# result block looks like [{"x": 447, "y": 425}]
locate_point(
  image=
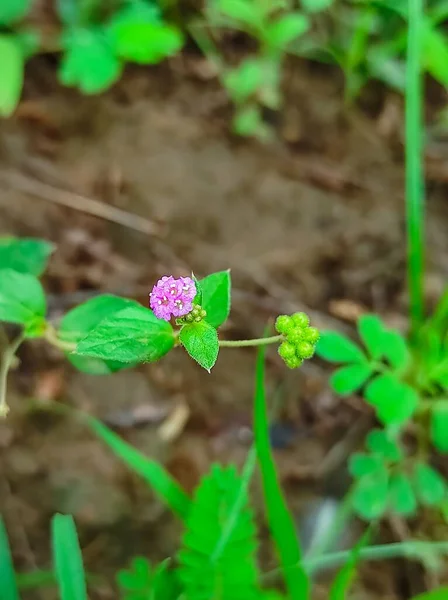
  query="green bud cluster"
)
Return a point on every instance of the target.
[
  {"x": 195, "y": 316},
  {"x": 300, "y": 339}
]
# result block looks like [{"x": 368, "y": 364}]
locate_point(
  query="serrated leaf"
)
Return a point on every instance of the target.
[
  {"x": 216, "y": 297},
  {"x": 89, "y": 62},
  {"x": 335, "y": 347},
  {"x": 371, "y": 331},
  {"x": 233, "y": 576},
  {"x": 25, "y": 255},
  {"x": 239, "y": 10},
  {"x": 22, "y": 301},
  {"x": 200, "y": 340},
  {"x": 243, "y": 81},
  {"x": 67, "y": 559},
  {"x": 364, "y": 464},
  {"x": 132, "y": 335},
  {"x": 12, "y": 11},
  {"x": 429, "y": 485},
  {"x": 286, "y": 29},
  {"x": 395, "y": 349},
  {"x": 401, "y": 495},
  {"x": 314, "y": 6},
  {"x": 80, "y": 321},
  {"x": 142, "y": 582},
  {"x": 395, "y": 402},
  {"x": 439, "y": 425},
  {"x": 380, "y": 443},
  {"x": 143, "y": 42},
  {"x": 370, "y": 495},
  {"x": 7, "y": 573},
  {"x": 11, "y": 74},
  {"x": 350, "y": 378}
]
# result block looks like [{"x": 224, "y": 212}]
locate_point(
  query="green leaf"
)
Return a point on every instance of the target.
[
  {"x": 361, "y": 465},
  {"x": 248, "y": 121},
  {"x": 11, "y": 74},
  {"x": 280, "y": 520},
  {"x": 67, "y": 559},
  {"x": 379, "y": 442},
  {"x": 395, "y": 402},
  {"x": 243, "y": 81},
  {"x": 200, "y": 340},
  {"x": 347, "y": 380},
  {"x": 435, "y": 54},
  {"x": 26, "y": 255},
  {"x": 440, "y": 594},
  {"x": 344, "y": 579},
  {"x": 150, "y": 470},
  {"x": 12, "y": 11},
  {"x": 233, "y": 575},
  {"x": 371, "y": 331},
  {"x": 429, "y": 485},
  {"x": 36, "y": 579},
  {"x": 395, "y": 349},
  {"x": 80, "y": 321},
  {"x": 439, "y": 425},
  {"x": 145, "y": 43},
  {"x": 401, "y": 495},
  {"x": 7, "y": 573},
  {"x": 142, "y": 582},
  {"x": 22, "y": 301},
  {"x": 68, "y": 12},
  {"x": 216, "y": 297},
  {"x": 314, "y": 6},
  {"x": 89, "y": 62},
  {"x": 240, "y": 10},
  {"x": 370, "y": 494},
  {"x": 334, "y": 347},
  {"x": 132, "y": 335},
  {"x": 286, "y": 29}
]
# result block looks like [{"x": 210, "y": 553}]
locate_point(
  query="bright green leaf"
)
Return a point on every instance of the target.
[
  {"x": 370, "y": 494},
  {"x": 11, "y": 74},
  {"x": 216, "y": 297},
  {"x": 12, "y": 11},
  {"x": 435, "y": 54},
  {"x": 80, "y": 321},
  {"x": 395, "y": 349},
  {"x": 89, "y": 63},
  {"x": 248, "y": 121},
  {"x": 334, "y": 347},
  {"x": 200, "y": 340},
  {"x": 350, "y": 378},
  {"x": 145, "y": 43},
  {"x": 286, "y": 29},
  {"x": 239, "y": 10},
  {"x": 364, "y": 464},
  {"x": 314, "y": 6},
  {"x": 25, "y": 255},
  {"x": 142, "y": 582},
  {"x": 395, "y": 402},
  {"x": 371, "y": 331},
  {"x": 379, "y": 442},
  {"x": 243, "y": 81},
  {"x": 429, "y": 485},
  {"x": 439, "y": 594},
  {"x": 22, "y": 301},
  {"x": 132, "y": 335},
  {"x": 401, "y": 495},
  {"x": 439, "y": 425},
  {"x": 7, "y": 573},
  {"x": 28, "y": 40},
  {"x": 343, "y": 581},
  {"x": 67, "y": 559}
]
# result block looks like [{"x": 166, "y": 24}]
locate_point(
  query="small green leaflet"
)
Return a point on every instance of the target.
[
  {"x": 215, "y": 290},
  {"x": 26, "y": 255},
  {"x": 22, "y": 301},
  {"x": 429, "y": 485},
  {"x": 7, "y": 573},
  {"x": 371, "y": 494},
  {"x": 145, "y": 43},
  {"x": 239, "y": 10},
  {"x": 142, "y": 582},
  {"x": 243, "y": 81},
  {"x": 379, "y": 442},
  {"x": 440, "y": 594},
  {"x": 67, "y": 559},
  {"x": 402, "y": 498},
  {"x": 364, "y": 464},
  {"x": 314, "y": 6},
  {"x": 334, "y": 347},
  {"x": 11, "y": 80},
  {"x": 132, "y": 335},
  {"x": 248, "y": 120},
  {"x": 395, "y": 402},
  {"x": 350, "y": 378},
  {"x": 200, "y": 340},
  {"x": 89, "y": 62},
  {"x": 286, "y": 29},
  {"x": 439, "y": 425},
  {"x": 12, "y": 11},
  {"x": 382, "y": 342},
  {"x": 80, "y": 321}
]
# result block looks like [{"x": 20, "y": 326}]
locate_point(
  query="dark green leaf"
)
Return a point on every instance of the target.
[
  {"x": 401, "y": 495},
  {"x": 242, "y": 82},
  {"x": 12, "y": 11},
  {"x": 7, "y": 573},
  {"x": 80, "y": 321},
  {"x": 89, "y": 62},
  {"x": 286, "y": 29},
  {"x": 371, "y": 331},
  {"x": 365, "y": 464},
  {"x": 439, "y": 425},
  {"x": 334, "y": 347},
  {"x": 145, "y": 42},
  {"x": 22, "y": 301},
  {"x": 25, "y": 255},
  {"x": 11, "y": 80},
  {"x": 429, "y": 485},
  {"x": 347, "y": 380},
  {"x": 216, "y": 297},
  {"x": 132, "y": 335},
  {"x": 370, "y": 495},
  {"x": 379, "y": 442},
  {"x": 67, "y": 559},
  {"x": 200, "y": 340},
  {"x": 395, "y": 402}
]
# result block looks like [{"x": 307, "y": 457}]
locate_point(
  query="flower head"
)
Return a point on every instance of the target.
[{"x": 172, "y": 297}]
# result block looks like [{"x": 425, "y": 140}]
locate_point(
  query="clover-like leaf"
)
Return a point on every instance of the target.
[
  {"x": 429, "y": 485},
  {"x": 395, "y": 349},
  {"x": 22, "y": 301},
  {"x": 243, "y": 81},
  {"x": 314, "y": 6},
  {"x": 26, "y": 255},
  {"x": 335, "y": 347},
  {"x": 395, "y": 401},
  {"x": 350, "y": 378},
  {"x": 371, "y": 494},
  {"x": 286, "y": 29},
  {"x": 215, "y": 289},
  {"x": 11, "y": 80},
  {"x": 379, "y": 442},
  {"x": 361, "y": 465},
  {"x": 200, "y": 340},
  {"x": 439, "y": 425},
  {"x": 371, "y": 330},
  {"x": 401, "y": 495}
]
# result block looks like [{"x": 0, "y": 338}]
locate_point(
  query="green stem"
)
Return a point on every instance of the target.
[
  {"x": 275, "y": 339},
  {"x": 8, "y": 359},
  {"x": 52, "y": 338},
  {"x": 414, "y": 166}
]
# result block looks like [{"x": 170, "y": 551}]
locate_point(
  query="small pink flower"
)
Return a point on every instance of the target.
[{"x": 172, "y": 297}]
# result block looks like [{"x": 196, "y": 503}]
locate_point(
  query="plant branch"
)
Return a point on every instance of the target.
[
  {"x": 275, "y": 339},
  {"x": 8, "y": 359}
]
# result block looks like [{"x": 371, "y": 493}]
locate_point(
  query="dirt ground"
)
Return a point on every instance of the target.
[{"x": 313, "y": 221}]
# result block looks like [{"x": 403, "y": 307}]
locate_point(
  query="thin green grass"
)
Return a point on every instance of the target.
[
  {"x": 8, "y": 582},
  {"x": 67, "y": 558}
]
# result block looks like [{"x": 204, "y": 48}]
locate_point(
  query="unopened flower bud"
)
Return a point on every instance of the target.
[
  {"x": 283, "y": 324},
  {"x": 305, "y": 350},
  {"x": 287, "y": 350},
  {"x": 312, "y": 335},
  {"x": 300, "y": 319},
  {"x": 294, "y": 362}
]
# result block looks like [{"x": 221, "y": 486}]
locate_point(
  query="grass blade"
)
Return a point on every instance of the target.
[
  {"x": 440, "y": 594},
  {"x": 7, "y": 573},
  {"x": 67, "y": 559},
  {"x": 35, "y": 579},
  {"x": 151, "y": 471},
  {"x": 344, "y": 579},
  {"x": 279, "y": 518}
]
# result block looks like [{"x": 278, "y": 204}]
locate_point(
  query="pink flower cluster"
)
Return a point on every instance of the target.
[{"x": 172, "y": 297}]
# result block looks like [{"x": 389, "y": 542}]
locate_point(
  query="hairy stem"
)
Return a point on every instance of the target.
[
  {"x": 275, "y": 339},
  {"x": 8, "y": 359},
  {"x": 52, "y": 338}
]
